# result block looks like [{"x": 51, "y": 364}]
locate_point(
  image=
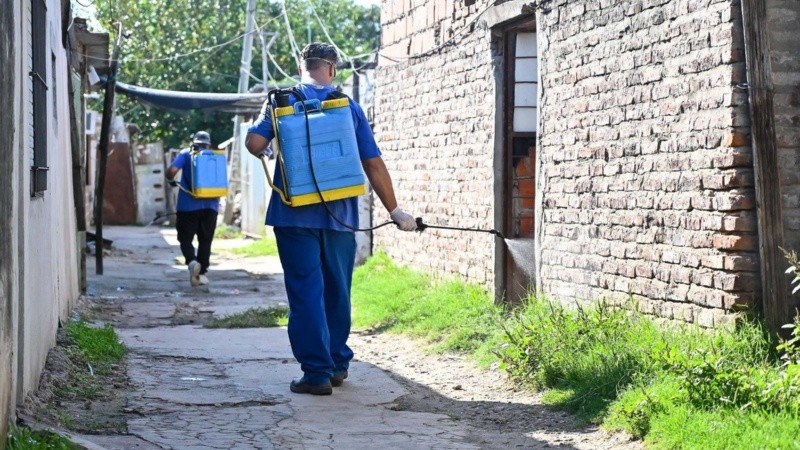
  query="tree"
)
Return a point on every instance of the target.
[{"x": 196, "y": 45}]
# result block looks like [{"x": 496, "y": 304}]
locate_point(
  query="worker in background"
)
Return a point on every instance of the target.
[
  {"x": 316, "y": 251},
  {"x": 194, "y": 216}
]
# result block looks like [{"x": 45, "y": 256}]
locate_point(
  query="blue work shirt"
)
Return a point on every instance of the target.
[
  {"x": 315, "y": 215},
  {"x": 187, "y": 202}
]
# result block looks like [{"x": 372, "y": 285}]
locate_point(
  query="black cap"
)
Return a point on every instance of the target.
[
  {"x": 321, "y": 51},
  {"x": 201, "y": 137}
]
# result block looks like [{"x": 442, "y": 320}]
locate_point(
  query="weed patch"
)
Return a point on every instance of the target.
[
  {"x": 586, "y": 354},
  {"x": 617, "y": 367},
  {"x": 252, "y": 318},
  {"x": 98, "y": 347},
  {"x": 85, "y": 377}
]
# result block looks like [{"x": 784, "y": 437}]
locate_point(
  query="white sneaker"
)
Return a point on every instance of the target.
[
  {"x": 203, "y": 280},
  {"x": 194, "y": 273}
]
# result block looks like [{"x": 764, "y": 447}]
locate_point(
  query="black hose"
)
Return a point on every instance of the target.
[
  {"x": 421, "y": 226},
  {"x": 301, "y": 97}
]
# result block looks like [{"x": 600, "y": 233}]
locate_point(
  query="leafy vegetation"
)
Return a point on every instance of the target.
[
  {"x": 23, "y": 438},
  {"x": 196, "y": 46},
  {"x": 617, "y": 367},
  {"x": 253, "y": 318}
]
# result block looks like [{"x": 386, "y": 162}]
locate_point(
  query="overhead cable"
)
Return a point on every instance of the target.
[{"x": 292, "y": 42}]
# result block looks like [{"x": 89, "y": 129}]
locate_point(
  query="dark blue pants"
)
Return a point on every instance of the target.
[{"x": 318, "y": 272}]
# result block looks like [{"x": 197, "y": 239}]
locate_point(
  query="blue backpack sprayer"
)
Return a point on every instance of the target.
[
  {"x": 209, "y": 177},
  {"x": 209, "y": 174},
  {"x": 324, "y": 166}
]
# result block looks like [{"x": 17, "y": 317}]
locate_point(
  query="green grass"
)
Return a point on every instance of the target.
[
  {"x": 262, "y": 247},
  {"x": 23, "y": 438},
  {"x": 98, "y": 346},
  {"x": 227, "y": 232},
  {"x": 583, "y": 356},
  {"x": 689, "y": 428},
  {"x": 675, "y": 386},
  {"x": 448, "y": 314},
  {"x": 253, "y": 318},
  {"x": 94, "y": 352}
]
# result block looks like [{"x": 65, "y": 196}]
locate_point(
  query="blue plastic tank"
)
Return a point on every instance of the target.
[
  {"x": 334, "y": 151},
  {"x": 209, "y": 174}
]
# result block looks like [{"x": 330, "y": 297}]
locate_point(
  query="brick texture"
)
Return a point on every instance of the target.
[
  {"x": 434, "y": 122},
  {"x": 644, "y": 164}
]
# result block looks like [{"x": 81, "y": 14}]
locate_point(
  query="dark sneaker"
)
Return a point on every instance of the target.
[
  {"x": 338, "y": 378},
  {"x": 302, "y": 386}
]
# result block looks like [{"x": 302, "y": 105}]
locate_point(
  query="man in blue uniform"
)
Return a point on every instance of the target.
[
  {"x": 194, "y": 216},
  {"x": 316, "y": 251}
]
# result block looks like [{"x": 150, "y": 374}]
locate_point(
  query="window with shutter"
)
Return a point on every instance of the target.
[{"x": 39, "y": 77}]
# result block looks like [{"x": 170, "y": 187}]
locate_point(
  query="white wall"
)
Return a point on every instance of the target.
[
  {"x": 48, "y": 274},
  {"x": 255, "y": 190}
]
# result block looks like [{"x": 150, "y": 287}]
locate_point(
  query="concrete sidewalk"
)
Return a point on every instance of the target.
[{"x": 218, "y": 388}]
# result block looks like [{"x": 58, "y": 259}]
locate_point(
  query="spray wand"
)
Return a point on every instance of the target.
[{"x": 421, "y": 227}]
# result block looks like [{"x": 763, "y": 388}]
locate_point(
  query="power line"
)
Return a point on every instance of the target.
[
  {"x": 272, "y": 58},
  {"x": 281, "y": 71},
  {"x": 292, "y": 42},
  {"x": 180, "y": 55}
]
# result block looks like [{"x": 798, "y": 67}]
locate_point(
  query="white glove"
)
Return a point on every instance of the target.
[
  {"x": 404, "y": 220},
  {"x": 267, "y": 153}
]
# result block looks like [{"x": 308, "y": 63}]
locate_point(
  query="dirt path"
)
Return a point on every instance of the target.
[{"x": 500, "y": 415}]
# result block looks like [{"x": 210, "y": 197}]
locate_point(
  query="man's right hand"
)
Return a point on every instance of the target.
[
  {"x": 173, "y": 183},
  {"x": 404, "y": 220}
]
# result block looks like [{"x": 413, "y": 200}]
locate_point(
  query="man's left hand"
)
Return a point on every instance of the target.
[{"x": 404, "y": 220}]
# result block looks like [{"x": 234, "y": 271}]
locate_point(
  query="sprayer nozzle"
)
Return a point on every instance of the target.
[
  {"x": 498, "y": 234},
  {"x": 420, "y": 226}
]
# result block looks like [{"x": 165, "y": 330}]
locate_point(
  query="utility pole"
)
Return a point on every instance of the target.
[
  {"x": 102, "y": 147},
  {"x": 244, "y": 73},
  {"x": 309, "y": 11},
  {"x": 265, "y": 46}
]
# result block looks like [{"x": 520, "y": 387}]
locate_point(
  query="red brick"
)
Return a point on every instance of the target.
[
  {"x": 738, "y": 281},
  {"x": 737, "y": 301},
  {"x": 735, "y": 202},
  {"x": 714, "y": 261},
  {"x": 741, "y": 262},
  {"x": 739, "y": 223},
  {"x": 736, "y": 140},
  {"x": 735, "y": 243}
]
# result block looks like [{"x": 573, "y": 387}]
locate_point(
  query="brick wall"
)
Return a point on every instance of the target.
[
  {"x": 783, "y": 17},
  {"x": 645, "y": 167},
  {"x": 434, "y": 121}
]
